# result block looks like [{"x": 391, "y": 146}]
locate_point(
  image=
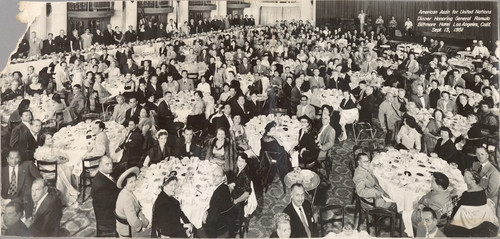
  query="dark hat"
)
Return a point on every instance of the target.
[{"x": 309, "y": 120}]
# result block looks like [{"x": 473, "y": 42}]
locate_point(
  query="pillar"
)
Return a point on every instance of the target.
[
  {"x": 58, "y": 18},
  {"x": 131, "y": 15},
  {"x": 221, "y": 9},
  {"x": 183, "y": 11},
  {"x": 117, "y": 18},
  {"x": 39, "y": 25}
]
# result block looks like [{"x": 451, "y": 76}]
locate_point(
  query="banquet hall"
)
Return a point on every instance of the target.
[{"x": 268, "y": 118}]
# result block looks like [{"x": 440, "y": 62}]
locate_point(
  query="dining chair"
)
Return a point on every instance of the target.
[
  {"x": 379, "y": 216},
  {"x": 365, "y": 131},
  {"x": 48, "y": 170},
  {"x": 90, "y": 167},
  {"x": 330, "y": 214},
  {"x": 492, "y": 148},
  {"x": 359, "y": 211},
  {"x": 229, "y": 224},
  {"x": 272, "y": 159}
]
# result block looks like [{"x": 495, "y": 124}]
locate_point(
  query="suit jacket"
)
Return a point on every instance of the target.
[
  {"x": 136, "y": 114},
  {"x": 47, "y": 217},
  {"x": 156, "y": 154},
  {"x": 104, "y": 193},
  {"x": 222, "y": 122},
  {"x": 317, "y": 82},
  {"x": 77, "y": 104},
  {"x": 309, "y": 111},
  {"x": 26, "y": 173},
  {"x": 454, "y": 82},
  {"x": 297, "y": 227},
  {"x": 220, "y": 201},
  {"x": 132, "y": 147},
  {"x": 367, "y": 108},
  {"x": 18, "y": 229},
  {"x": 253, "y": 109},
  {"x": 339, "y": 83},
  {"x": 35, "y": 47},
  {"x": 180, "y": 150},
  {"x": 260, "y": 69},
  {"x": 422, "y": 234},
  {"x": 165, "y": 116},
  {"x": 295, "y": 95},
  {"x": 244, "y": 70},
  {"x": 434, "y": 97},
  {"x": 418, "y": 102},
  {"x": 188, "y": 86},
  {"x": 327, "y": 140},
  {"x": 157, "y": 93},
  {"x": 388, "y": 115},
  {"x": 49, "y": 47},
  {"x": 237, "y": 110},
  {"x": 490, "y": 179},
  {"x": 134, "y": 69},
  {"x": 166, "y": 217},
  {"x": 21, "y": 139}
]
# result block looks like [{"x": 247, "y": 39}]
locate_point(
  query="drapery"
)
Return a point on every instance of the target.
[{"x": 269, "y": 15}]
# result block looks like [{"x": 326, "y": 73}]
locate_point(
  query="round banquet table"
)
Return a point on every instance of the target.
[
  {"x": 458, "y": 124},
  {"x": 465, "y": 53},
  {"x": 287, "y": 130},
  {"x": 309, "y": 179},
  {"x": 332, "y": 97},
  {"x": 182, "y": 103},
  {"x": 406, "y": 176},
  {"x": 194, "y": 191},
  {"x": 41, "y": 106}
]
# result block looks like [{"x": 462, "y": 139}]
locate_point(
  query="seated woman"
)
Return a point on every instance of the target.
[
  {"x": 281, "y": 226},
  {"x": 240, "y": 188},
  {"x": 475, "y": 214},
  {"x": 348, "y": 112},
  {"x": 366, "y": 184},
  {"x": 167, "y": 213},
  {"x": 409, "y": 136},
  {"x": 463, "y": 107},
  {"x": 129, "y": 86},
  {"x": 146, "y": 122},
  {"x": 439, "y": 198},
  {"x": 159, "y": 151},
  {"x": 102, "y": 93},
  {"x": 196, "y": 118},
  {"x": 445, "y": 148},
  {"x": 432, "y": 131},
  {"x": 307, "y": 147},
  {"x": 35, "y": 87},
  {"x": 271, "y": 146},
  {"x": 221, "y": 150},
  {"x": 113, "y": 71},
  {"x": 238, "y": 135},
  {"x": 171, "y": 85},
  {"x": 48, "y": 153},
  {"x": 58, "y": 106},
  {"x": 474, "y": 136}
]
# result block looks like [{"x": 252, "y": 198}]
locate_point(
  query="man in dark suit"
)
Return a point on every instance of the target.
[
  {"x": 295, "y": 96},
  {"x": 244, "y": 67},
  {"x": 130, "y": 35},
  {"x": 165, "y": 115},
  {"x": 219, "y": 214},
  {"x": 12, "y": 215},
  {"x": 62, "y": 42},
  {"x": 132, "y": 145},
  {"x": 22, "y": 138},
  {"x": 49, "y": 45},
  {"x": 47, "y": 210},
  {"x": 254, "y": 107},
  {"x": 240, "y": 108},
  {"x": 367, "y": 106},
  {"x": 130, "y": 67},
  {"x": 18, "y": 177},
  {"x": 133, "y": 112},
  {"x": 146, "y": 66},
  {"x": 185, "y": 147},
  {"x": 335, "y": 82},
  {"x": 104, "y": 193},
  {"x": 152, "y": 88},
  {"x": 224, "y": 121},
  {"x": 300, "y": 212},
  {"x": 421, "y": 99},
  {"x": 108, "y": 36}
]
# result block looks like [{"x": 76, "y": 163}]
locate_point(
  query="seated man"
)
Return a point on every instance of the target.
[
  {"x": 47, "y": 211},
  {"x": 219, "y": 213},
  {"x": 438, "y": 199},
  {"x": 300, "y": 212},
  {"x": 487, "y": 120},
  {"x": 366, "y": 184},
  {"x": 12, "y": 220},
  {"x": 186, "y": 147},
  {"x": 305, "y": 108},
  {"x": 428, "y": 227},
  {"x": 490, "y": 177}
]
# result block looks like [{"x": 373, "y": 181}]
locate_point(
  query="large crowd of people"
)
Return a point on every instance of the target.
[{"x": 289, "y": 62}]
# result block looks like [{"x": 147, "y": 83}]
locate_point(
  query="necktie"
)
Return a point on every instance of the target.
[
  {"x": 303, "y": 219},
  {"x": 13, "y": 183},
  {"x": 34, "y": 209},
  {"x": 479, "y": 169},
  {"x": 132, "y": 112}
]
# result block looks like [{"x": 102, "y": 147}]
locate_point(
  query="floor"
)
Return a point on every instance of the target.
[{"x": 79, "y": 220}]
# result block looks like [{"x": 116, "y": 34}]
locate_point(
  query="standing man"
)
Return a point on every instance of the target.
[
  {"x": 49, "y": 45},
  {"x": 35, "y": 45},
  {"x": 300, "y": 212},
  {"x": 130, "y": 35},
  {"x": 361, "y": 17},
  {"x": 86, "y": 39},
  {"x": 108, "y": 36},
  {"x": 62, "y": 42},
  {"x": 104, "y": 193}
]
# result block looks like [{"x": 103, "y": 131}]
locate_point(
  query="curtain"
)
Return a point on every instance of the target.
[{"x": 269, "y": 15}]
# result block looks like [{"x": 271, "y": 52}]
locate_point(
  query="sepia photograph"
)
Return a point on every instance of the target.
[{"x": 250, "y": 118}]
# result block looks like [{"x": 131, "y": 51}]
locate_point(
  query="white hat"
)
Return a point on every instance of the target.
[{"x": 122, "y": 177}]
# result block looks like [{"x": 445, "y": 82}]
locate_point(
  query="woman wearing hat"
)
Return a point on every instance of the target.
[
  {"x": 167, "y": 213},
  {"x": 130, "y": 221}
]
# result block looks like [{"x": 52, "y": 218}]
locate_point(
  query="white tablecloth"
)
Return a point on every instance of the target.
[
  {"x": 287, "y": 131},
  {"x": 194, "y": 191}
]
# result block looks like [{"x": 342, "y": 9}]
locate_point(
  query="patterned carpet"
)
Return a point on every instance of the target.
[{"x": 79, "y": 220}]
